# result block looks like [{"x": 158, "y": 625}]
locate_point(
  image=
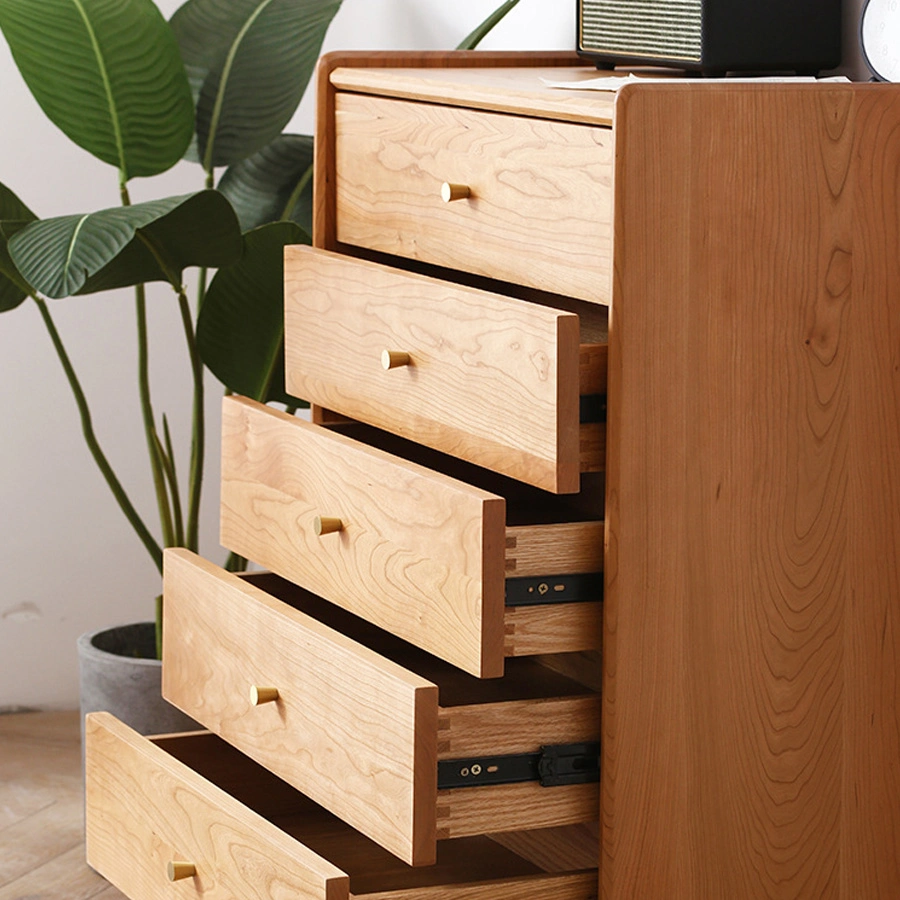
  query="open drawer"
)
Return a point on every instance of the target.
[
  {"x": 504, "y": 383},
  {"x": 457, "y": 569},
  {"x": 190, "y": 808},
  {"x": 404, "y": 747}
]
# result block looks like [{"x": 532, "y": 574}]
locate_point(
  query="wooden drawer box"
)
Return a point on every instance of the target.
[
  {"x": 375, "y": 730},
  {"x": 539, "y": 207},
  {"x": 247, "y": 836},
  {"x": 426, "y": 556},
  {"x": 503, "y": 383}
]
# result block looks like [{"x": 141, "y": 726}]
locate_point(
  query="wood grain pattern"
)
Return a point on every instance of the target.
[
  {"x": 555, "y": 849},
  {"x": 324, "y": 160},
  {"x": 143, "y": 807},
  {"x": 517, "y": 727},
  {"x": 491, "y": 379},
  {"x": 592, "y": 447},
  {"x": 517, "y": 91},
  {"x": 586, "y": 668},
  {"x": 751, "y": 725},
  {"x": 350, "y": 729},
  {"x": 540, "y": 887},
  {"x": 540, "y": 208},
  {"x": 556, "y": 628},
  {"x": 554, "y": 549},
  {"x": 468, "y": 864},
  {"x": 420, "y": 527},
  {"x": 593, "y": 362},
  {"x": 513, "y": 807},
  {"x": 186, "y": 776},
  {"x": 357, "y": 731},
  {"x": 413, "y": 539}
]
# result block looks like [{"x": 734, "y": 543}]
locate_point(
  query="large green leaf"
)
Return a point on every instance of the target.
[
  {"x": 108, "y": 73},
  {"x": 127, "y": 245},
  {"x": 273, "y": 184},
  {"x": 477, "y": 35},
  {"x": 240, "y": 331},
  {"x": 203, "y": 231},
  {"x": 249, "y": 63},
  {"x": 14, "y": 216}
]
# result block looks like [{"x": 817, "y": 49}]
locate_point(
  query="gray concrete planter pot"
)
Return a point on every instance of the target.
[{"x": 120, "y": 674}]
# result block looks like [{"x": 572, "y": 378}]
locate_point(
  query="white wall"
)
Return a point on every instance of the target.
[{"x": 69, "y": 561}]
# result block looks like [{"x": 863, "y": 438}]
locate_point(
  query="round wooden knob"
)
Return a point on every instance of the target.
[
  {"x": 451, "y": 191},
  {"x": 178, "y": 869},
  {"x": 259, "y": 695},
  {"x": 327, "y": 525},
  {"x": 394, "y": 359}
]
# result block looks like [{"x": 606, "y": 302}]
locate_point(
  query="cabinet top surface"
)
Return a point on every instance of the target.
[{"x": 530, "y": 90}]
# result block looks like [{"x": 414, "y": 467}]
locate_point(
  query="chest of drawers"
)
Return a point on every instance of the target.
[{"x": 478, "y": 236}]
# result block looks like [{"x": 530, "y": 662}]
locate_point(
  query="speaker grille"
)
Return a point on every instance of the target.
[{"x": 663, "y": 29}]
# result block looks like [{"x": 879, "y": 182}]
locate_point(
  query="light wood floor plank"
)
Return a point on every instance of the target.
[
  {"x": 42, "y": 811},
  {"x": 64, "y": 878}
]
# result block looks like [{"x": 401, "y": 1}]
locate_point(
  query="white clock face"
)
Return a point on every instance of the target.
[{"x": 880, "y": 37}]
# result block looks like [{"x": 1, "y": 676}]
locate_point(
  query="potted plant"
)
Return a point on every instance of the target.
[{"x": 216, "y": 84}]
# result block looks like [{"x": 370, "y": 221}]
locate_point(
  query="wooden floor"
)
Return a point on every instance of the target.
[{"x": 41, "y": 811}]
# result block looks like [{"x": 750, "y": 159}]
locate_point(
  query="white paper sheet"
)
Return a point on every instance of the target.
[{"x": 616, "y": 82}]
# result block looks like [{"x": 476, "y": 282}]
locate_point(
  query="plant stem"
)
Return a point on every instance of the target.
[
  {"x": 158, "y": 607},
  {"x": 153, "y": 445},
  {"x": 90, "y": 437},
  {"x": 167, "y": 454},
  {"x": 235, "y": 563},
  {"x": 198, "y": 430},
  {"x": 157, "y": 466}
]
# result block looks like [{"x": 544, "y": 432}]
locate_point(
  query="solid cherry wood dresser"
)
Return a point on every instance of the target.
[{"x": 618, "y": 364}]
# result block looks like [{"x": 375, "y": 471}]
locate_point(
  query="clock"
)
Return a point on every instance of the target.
[{"x": 879, "y": 36}]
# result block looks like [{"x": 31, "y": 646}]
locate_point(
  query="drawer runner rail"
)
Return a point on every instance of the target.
[
  {"x": 551, "y": 766},
  {"x": 546, "y": 589}
]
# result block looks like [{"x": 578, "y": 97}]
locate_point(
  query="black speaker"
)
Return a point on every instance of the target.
[{"x": 712, "y": 37}]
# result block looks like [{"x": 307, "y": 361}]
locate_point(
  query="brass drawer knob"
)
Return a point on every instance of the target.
[
  {"x": 451, "y": 191},
  {"x": 178, "y": 869},
  {"x": 260, "y": 695},
  {"x": 394, "y": 359},
  {"x": 327, "y": 525}
]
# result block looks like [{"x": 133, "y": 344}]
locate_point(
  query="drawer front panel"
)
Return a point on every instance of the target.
[
  {"x": 145, "y": 810},
  {"x": 486, "y": 378},
  {"x": 418, "y": 554},
  {"x": 251, "y": 837},
  {"x": 539, "y": 208},
  {"x": 350, "y": 729}
]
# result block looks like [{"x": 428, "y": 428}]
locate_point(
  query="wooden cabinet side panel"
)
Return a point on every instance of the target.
[
  {"x": 870, "y": 849},
  {"x": 753, "y": 506}
]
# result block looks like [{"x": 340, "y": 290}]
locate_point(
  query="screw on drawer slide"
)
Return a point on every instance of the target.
[
  {"x": 551, "y": 766},
  {"x": 544, "y": 589},
  {"x": 591, "y": 408}
]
